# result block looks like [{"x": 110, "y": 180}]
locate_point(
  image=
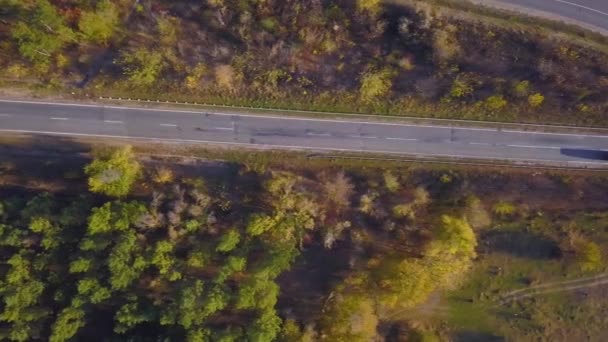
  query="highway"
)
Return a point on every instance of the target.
[
  {"x": 592, "y": 14},
  {"x": 301, "y": 133}
]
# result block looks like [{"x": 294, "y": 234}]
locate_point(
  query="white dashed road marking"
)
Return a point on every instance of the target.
[
  {"x": 113, "y": 121},
  {"x": 168, "y": 125},
  {"x": 63, "y": 119},
  {"x": 401, "y": 139}
]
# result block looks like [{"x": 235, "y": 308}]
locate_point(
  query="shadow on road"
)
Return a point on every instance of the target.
[{"x": 585, "y": 154}]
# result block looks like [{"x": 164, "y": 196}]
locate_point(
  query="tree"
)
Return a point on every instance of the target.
[
  {"x": 21, "y": 293},
  {"x": 99, "y": 26},
  {"x": 142, "y": 66},
  {"x": 264, "y": 328},
  {"x": 126, "y": 261},
  {"x": 43, "y": 35},
  {"x": 113, "y": 172},
  {"x": 375, "y": 84},
  {"x": 130, "y": 315},
  {"x": 350, "y": 317},
  {"x": 228, "y": 241},
  {"x": 69, "y": 321},
  {"x": 163, "y": 257}
]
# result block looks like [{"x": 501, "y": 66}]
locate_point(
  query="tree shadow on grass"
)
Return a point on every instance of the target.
[
  {"x": 520, "y": 243},
  {"x": 475, "y": 336}
]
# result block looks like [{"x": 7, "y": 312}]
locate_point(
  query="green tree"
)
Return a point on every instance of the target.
[
  {"x": 264, "y": 328},
  {"x": 163, "y": 257},
  {"x": 350, "y": 317},
  {"x": 142, "y": 66},
  {"x": 129, "y": 315},
  {"x": 229, "y": 241},
  {"x": 21, "y": 294},
  {"x": 69, "y": 321},
  {"x": 43, "y": 34},
  {"x": 99, "y": 26},
  {"x": 92, "y": 290},
  {"x": 126, "y": 261},
  {"x": 113, "y": 172}
]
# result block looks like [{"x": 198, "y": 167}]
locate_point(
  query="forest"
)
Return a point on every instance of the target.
[
  {"x": 124, "y": 247},
  {"x": 399, "y": 57}
]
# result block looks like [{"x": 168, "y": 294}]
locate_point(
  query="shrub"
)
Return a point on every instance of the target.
[
  {"x": 445, "y": 45},
  {"x": 460, "y": 88},
  {"x": 535, "y": 100},
  {"x": 372, "y": 6},
  {"x": 522, "y": 88},
  {"x": 375, "y": 85},
  {"x": 588, "y": 255},
  {"x": 391, "y": 182},
  {"x": 163, "y": 175},
  {"x": 404, "y": 210},
  {"x": 224, "y": 76},
  {"x": 496, "y": 102},
  {"x": 503, "y": 208}
]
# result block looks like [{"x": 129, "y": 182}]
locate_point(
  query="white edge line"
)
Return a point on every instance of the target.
[
  {"x": 536, "y": 147},
  {"x": 311, "y": 119},
  {"x": 295, "y": 147},
  {"x": 582, "y": 6}
]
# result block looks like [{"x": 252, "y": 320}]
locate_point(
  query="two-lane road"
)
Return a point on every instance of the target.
[
  {"x": 592, "y": 14},
  {"x": 558, "y": 149}
]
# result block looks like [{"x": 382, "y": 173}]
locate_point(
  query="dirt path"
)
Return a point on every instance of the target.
[{"x": 559, "y": 286}]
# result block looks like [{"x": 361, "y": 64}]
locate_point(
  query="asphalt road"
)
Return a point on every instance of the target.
[
  {"x": 563, "y": 149},
  {"x": 592, "y": 13}
]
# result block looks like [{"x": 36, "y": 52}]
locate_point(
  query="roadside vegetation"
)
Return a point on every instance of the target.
[
  {"x": 417, "y": 58},
  {"x": 262, "y": 247}
]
